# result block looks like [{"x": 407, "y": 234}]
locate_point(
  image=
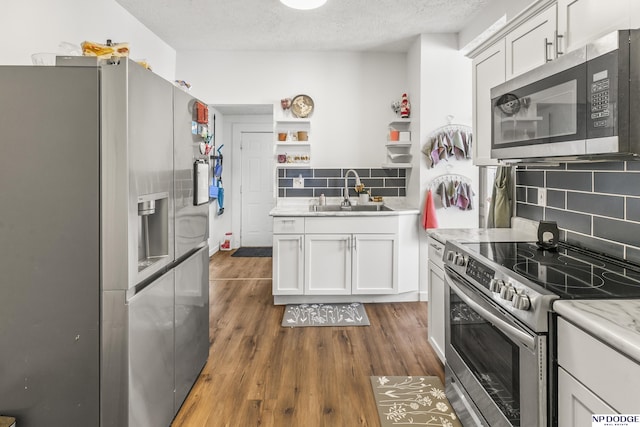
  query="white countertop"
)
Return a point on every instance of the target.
[
  {"x": 522, "y": 231},
  {"x": 300, "y": 207},
  {"x": 615, "y": 322}
]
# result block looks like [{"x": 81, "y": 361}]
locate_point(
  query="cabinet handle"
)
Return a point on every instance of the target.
[
  {"x": 546, "y": 50},
  {"x": 558, "y": 40},
  {"x": 355, "y": 243},
  {"x": 436, "y": 247},
  {"x": 300, "y": 240}
]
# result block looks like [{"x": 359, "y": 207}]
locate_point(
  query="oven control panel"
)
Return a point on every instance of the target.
[{"x": 479, "y": 272}]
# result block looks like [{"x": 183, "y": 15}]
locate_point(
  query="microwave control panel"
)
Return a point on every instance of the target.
[
  {"x": 602, "y": 95},
  {"x": 600, "y": 111}
]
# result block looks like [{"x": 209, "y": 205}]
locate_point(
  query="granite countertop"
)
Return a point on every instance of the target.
[
  {"x": 615, "y": 322},
  {"x": 7, "y": 421},
  {"x": 301, "y": 208}
]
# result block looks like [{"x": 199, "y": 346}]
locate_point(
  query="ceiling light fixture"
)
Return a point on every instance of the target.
[{"x": 303, "y": 4}]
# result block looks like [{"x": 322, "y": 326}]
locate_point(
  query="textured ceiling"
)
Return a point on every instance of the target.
[{"x": 360, "y": 25}]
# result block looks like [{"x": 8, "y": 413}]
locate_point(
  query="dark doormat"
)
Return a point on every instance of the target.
[
  {"x": 254, "y": 251},
  {"x": 413, "y": 401}
]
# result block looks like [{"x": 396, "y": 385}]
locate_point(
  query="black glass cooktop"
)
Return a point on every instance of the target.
[{"x": 569, "y": 272}]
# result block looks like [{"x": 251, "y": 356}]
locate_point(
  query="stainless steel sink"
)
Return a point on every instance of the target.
[{"x": 356, "y": 208}]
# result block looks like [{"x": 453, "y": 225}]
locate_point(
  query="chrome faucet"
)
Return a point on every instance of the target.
[{"x": 346, "y": 202}]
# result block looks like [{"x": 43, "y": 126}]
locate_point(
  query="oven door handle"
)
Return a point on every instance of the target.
[{"x": 508, "y": 329}]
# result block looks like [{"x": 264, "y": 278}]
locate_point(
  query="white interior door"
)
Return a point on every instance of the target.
[{"x": 256, "y": 189}]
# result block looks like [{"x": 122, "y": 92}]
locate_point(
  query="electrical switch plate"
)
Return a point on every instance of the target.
[
  {"x": 542, "y": 196},
  {"x": 298, "y": 182}
]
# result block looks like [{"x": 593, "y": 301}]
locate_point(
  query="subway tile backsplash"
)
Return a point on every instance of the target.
[
  {"x": 596, "y": 205},
  {"x": 330, "y": 182}
]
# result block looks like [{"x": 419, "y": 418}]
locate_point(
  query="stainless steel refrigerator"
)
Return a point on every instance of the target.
[{"x": 104, "y": 302}]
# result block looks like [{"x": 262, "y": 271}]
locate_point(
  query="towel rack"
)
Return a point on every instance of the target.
[
  {"x": 450, "y": 140},
  {"x": 448, "y": 177},
  {"x": 450, "y": 126}
]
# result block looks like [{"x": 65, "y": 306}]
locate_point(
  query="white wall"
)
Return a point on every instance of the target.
[
  {"x": 441, "y": 75},
  {"x": 352, "y": 93},
  {"x": 446, "y": 90},
  {"x": 32, "y": 26}
]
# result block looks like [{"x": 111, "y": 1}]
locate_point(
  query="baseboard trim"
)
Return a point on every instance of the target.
[{"x": 315, "y": 299}]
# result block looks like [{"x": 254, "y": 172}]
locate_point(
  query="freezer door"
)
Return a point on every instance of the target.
[
  {"x": 151, "y": 356},
  {"x": 191, "y": 221},
  {"x": 49, "y": 245},
  {"x": 192, "y": 321}
]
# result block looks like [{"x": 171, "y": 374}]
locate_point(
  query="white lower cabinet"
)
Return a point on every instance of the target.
[
  {"x": 288, "y": 264},
  {"x": 576, "y": 403},
  {"x": 593, "y": 378},
  {"x": 374, "y": 264},
  {"x": 345, "y": 264},
  {"x": 436, "y": 320},
  {"x": 436, "y": 314},
  {"x": 355, "y": 255},
  {"x": 327, "y": 264}
]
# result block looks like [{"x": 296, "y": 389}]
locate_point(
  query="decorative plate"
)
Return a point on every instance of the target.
[{"x": 302, "y": 106}]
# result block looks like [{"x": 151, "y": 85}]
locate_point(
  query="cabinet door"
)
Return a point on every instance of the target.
[
  {"x": 576, "y": 403},
  {"x": 488, "y": 71},
  {"x": 532, "y": 43},
  {"x": 375, "y": 264},
  {"x": 327, "y": 264},
  {"x": 581, "y": 21},
  {"x": 436, "y": 318},
  {"x": 288, "y": 264}
]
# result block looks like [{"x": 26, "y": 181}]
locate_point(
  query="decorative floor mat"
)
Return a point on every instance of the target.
[
  {"x": 413, "y": 401},
  {"x": 350, "y": 314}
]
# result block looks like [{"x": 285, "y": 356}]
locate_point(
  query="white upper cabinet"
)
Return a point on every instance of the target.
[
  {"x": 533, "y": 43},
  {"x": 488, "y": 71},
  {"x": 541, "y": 33},
  {"x": 581, "y": 21}
]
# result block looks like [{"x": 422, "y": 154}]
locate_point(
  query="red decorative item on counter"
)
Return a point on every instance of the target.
[{"x": 405, "y": 107}]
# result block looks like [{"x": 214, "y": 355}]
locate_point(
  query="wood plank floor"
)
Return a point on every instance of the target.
[{"x": 261, "y": 374}]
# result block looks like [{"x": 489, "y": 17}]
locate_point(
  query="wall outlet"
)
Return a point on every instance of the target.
[
  {"x": 542, "y": 273},
  {"x": 542, "y": 196},
  {"x": 298, "y": 182}
]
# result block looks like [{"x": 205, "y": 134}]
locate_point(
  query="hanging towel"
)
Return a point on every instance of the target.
[
  {"x": 458, "y": 145},
  {"x": 444, "y": 194},
  {"x": 429, "y": 219},
  {"x": 500, "y": 206},
  {"x": 462, "y": 198}
]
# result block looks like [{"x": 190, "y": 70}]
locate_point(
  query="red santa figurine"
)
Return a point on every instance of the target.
[{"x": 405, "y": 107}]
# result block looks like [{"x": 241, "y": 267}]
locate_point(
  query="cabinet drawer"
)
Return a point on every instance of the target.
[
  {"x": 436, "y": 250},
  {"x": 288, "y": 225},
  {"x": 599, "y": 367},
  {"x": 353, "y": 225}
]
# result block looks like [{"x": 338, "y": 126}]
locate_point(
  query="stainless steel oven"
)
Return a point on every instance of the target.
[
  {"x": 496, "y": 344},
  {"x": 499, "y": 296},
  {"x": 496, "y": 368}
]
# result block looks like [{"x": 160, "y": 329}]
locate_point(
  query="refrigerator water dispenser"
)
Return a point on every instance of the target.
[{"x": 153, "y": 229}]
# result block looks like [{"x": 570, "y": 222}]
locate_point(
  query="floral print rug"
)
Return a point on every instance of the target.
[
  {"x": 350, "y": 314},
  {"x": 416, "y": 401}
]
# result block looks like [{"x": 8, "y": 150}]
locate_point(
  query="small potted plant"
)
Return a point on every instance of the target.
[{"x": 363, "y": 195}]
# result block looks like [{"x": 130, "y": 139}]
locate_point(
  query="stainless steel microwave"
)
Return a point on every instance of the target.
[{"x": 583, "y": 105}]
